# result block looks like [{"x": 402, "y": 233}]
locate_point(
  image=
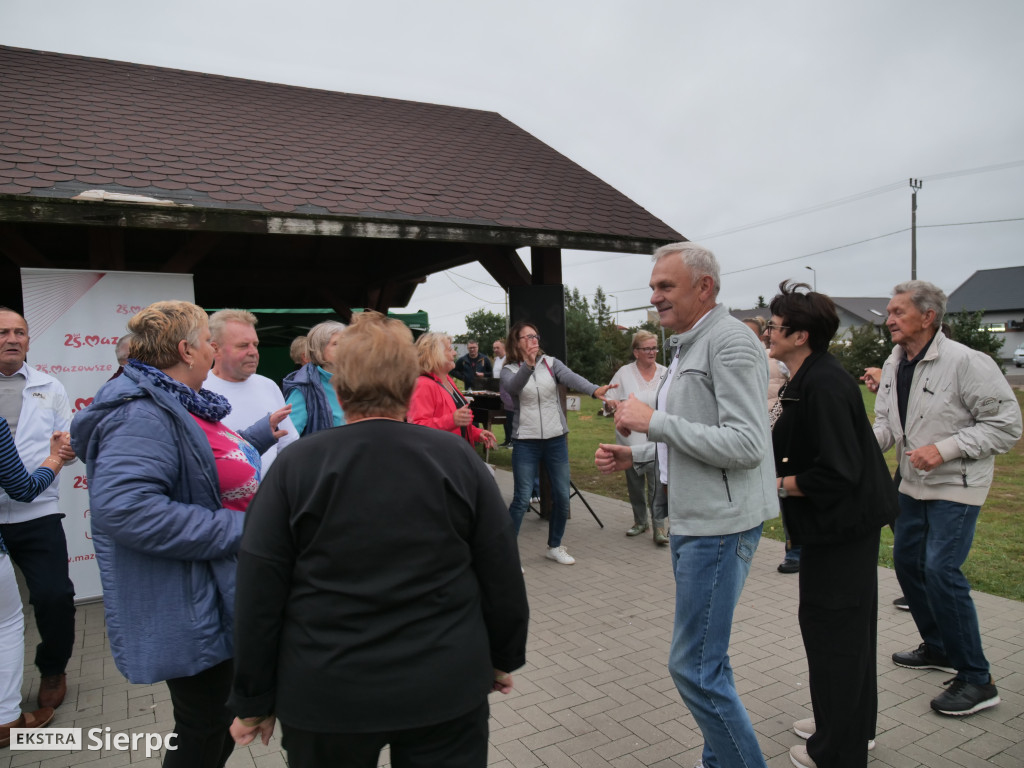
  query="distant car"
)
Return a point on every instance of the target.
[{"x": 1018, "y": 356}]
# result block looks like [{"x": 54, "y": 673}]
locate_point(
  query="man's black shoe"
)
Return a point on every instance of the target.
[
  {"x": 962, "y": 698},
  {"x": 923, "y": 657},
  {"x": 901, "y": 603},
  {"x": 789, "y": 566}
]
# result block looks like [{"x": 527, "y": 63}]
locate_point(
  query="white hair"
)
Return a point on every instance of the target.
[
  {"x": 697, "y": 258},
  {"x": 925, "y": 296}
]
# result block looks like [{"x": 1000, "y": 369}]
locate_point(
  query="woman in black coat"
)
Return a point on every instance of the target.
[{"x": 836, "y": 496}]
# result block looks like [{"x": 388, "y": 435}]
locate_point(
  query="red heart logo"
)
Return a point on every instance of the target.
[{"x": 81, "y": 403}]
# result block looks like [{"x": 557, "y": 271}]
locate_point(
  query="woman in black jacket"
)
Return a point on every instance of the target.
[{"x": 836, "y": 496}]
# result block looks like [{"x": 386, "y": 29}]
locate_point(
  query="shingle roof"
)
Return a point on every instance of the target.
[
  {"x": 858, "y": 306},
  {"x": 70, "y": 123},
  {"x": 991, "y": 290}
]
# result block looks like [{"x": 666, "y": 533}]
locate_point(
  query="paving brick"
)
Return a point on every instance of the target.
[{"x": 596, "y": 691}]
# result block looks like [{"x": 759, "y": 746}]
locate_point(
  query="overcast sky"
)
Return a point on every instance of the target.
[{"x": 712, "y": 116}]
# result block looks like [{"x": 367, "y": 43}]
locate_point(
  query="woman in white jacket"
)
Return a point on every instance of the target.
[{"x": 539, "y": 430}]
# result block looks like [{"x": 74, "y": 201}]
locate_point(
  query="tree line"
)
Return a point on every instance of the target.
[{"x": 597, "y": 347}]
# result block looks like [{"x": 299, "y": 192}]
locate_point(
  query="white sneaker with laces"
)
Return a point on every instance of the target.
[{"x": 559, "y": 555}]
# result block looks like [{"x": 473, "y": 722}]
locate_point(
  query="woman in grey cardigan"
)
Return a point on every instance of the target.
[{"x": 539, "y": 431}]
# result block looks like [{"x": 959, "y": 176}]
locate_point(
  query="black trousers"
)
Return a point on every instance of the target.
[
  {"x": 40, "y": 549},
  {"x": 201, "y": 718},
  {"x": 457, "y": 743},
  {"x": 839, "y": 623}
]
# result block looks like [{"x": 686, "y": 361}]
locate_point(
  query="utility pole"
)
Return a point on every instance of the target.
[{"x": 915, "y": 184}]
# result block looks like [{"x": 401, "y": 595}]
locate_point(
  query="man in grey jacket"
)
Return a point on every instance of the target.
[
  {"x": 948, "y": 411},
  {"x": 714, "y": 451}
]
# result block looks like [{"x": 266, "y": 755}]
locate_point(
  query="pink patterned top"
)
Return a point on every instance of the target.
[{"x": 238, "y": 464}]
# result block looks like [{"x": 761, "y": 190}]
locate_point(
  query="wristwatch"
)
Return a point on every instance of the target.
[{"x": 783, "y": 493}]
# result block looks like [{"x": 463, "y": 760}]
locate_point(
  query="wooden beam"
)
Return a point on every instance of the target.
[
  {"x": 106, "y": 249},
  {"x": 22, "y": 208},
  {"x": 19, "y": 250},
  {"x": 505, "y": 266},
  {"x": 546, "y": 266}
]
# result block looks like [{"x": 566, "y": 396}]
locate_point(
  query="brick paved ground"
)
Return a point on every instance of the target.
[{"x": 596, "y": 691}]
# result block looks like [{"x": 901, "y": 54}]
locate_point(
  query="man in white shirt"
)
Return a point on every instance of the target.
[
  {"x": 36, "y": 405},
  {"x": 234, "y": 375}
]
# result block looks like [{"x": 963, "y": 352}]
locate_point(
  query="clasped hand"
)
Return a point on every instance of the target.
[{"x": 632, "y": 415}]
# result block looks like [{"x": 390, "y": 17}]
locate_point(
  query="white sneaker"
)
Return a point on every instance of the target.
[
  {"x": 805, "y": 729},
  {"x": 559, "y": 555}
]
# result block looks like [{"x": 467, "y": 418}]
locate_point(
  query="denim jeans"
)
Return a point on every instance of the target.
[
  {"x": 931, "y": 543},
  {"x": 526, "y": 458},
  {"x": 710, "y": 572}
]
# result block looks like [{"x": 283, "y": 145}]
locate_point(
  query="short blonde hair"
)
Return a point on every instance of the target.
[
  {"x": 375, "y": 367},
  {"x": 760, "y": 323},
  {"x": 319, "y": 337},
  {"x": 159, "y": 328},
  {"x": 298, "y": 350},
  {"x": 640, "y": 337},
  {"x": 222, "y": 317},
  {"x": 431, "y": 349}
]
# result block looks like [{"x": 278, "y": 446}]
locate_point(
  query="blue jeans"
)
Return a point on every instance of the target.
[
  {"x": 710, "y": 572},
  {"x": 526, "y": 458},
  {"x": 931, "y": 543}
]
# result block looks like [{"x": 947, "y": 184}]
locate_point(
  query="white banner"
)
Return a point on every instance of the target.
[{"x": 75, "y": 318}]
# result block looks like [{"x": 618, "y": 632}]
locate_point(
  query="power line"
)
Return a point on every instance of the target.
[
  {"x": 771, "y": 263},
  {"x": 860, "y": 196},
  {"x": 869, "y": 239}
]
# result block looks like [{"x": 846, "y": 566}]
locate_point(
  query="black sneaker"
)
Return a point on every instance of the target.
[
  {"x": 901, "y": 603},
  {"x": 962, "y": 698},
  {"x": 923, "y": 657}
]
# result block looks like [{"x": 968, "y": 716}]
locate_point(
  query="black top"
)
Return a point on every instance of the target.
[
  {"x": 378, "y": 583},
  {"x": 824, "y": 439},
  {"x": 466, "y": 370}
]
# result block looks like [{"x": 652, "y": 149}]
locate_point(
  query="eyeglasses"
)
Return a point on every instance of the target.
[
  {"x": 646, "y": 349},
  {"x": 530, "y": 337},
  {"x": 769, "y": 328}
]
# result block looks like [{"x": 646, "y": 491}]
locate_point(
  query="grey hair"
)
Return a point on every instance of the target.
[
  {"x": 697, "y": 258},
  {"x": 319, "y": 337},
  {"x": 222, "y": 317},
  {"x": 925, "y": 296}
]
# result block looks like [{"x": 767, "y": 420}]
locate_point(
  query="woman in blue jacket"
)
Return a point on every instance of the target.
[
  {"x": 308, "y": 391},
  {"x": 168, "y": 487}
]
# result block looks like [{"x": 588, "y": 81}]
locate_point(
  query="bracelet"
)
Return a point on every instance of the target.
[{"x": 60, "y": 462}]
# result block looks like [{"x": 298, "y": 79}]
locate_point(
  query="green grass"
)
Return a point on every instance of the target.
[{"x": 996, "y": 562}]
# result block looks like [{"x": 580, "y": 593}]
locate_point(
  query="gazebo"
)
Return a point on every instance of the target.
[{"x": 280, "y": 196}]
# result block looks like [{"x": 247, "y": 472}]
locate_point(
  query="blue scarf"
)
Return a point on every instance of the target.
[{"x": 204, "y": 403}]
